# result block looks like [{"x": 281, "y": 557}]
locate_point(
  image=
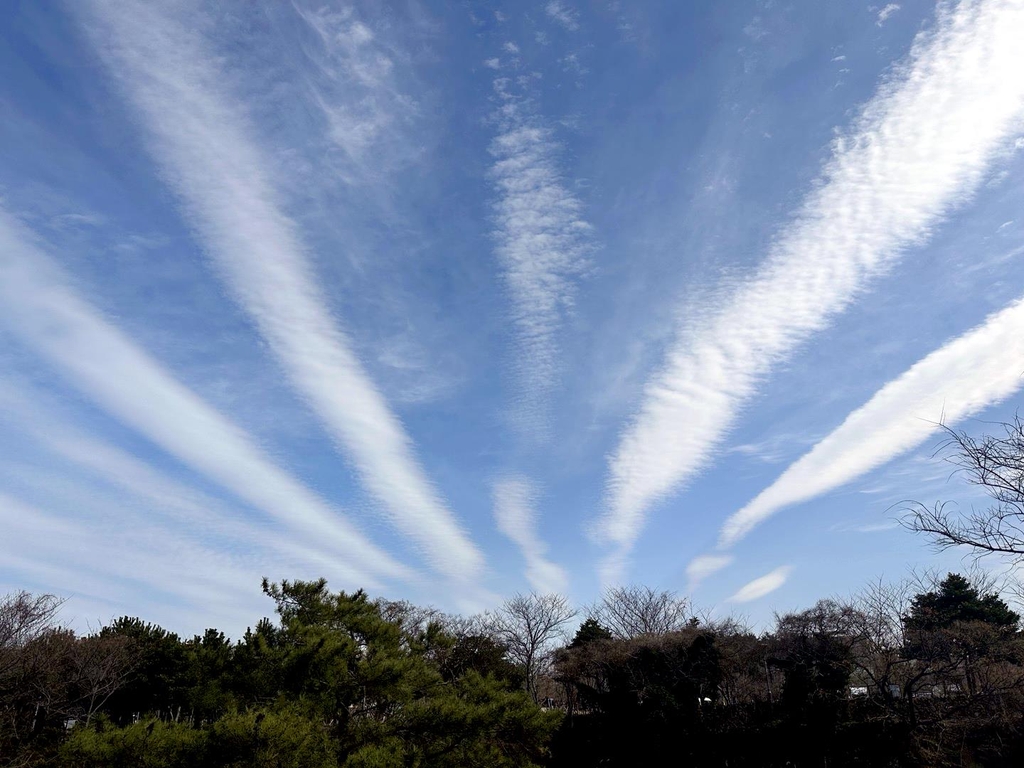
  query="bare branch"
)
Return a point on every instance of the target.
[
  {"x": 996, "y": 464},
  {"x": 635, "y": 611},
  {"x": 529, "y": 625}
]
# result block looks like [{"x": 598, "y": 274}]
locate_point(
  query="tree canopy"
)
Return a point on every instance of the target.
[
  {"x": 957, "y": 600},
  {"x": 900, "y": 675}
]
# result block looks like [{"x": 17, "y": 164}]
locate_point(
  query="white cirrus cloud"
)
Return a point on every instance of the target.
[
  {"x": 128, "y": 565},
  {"x": 353, "y": 77},
  {"x": 542, "y": 241},
  {"x": 205, "y": 145},
  {"x": 886, "y": 12},
  {"x": 978, "y": 369},
  {"x": 563, "y": 14},
  {"x": 516, "y": 517},
  {"x": 198, "y": 515},
  {"x": 124, "y": 380},
  {"x": 919, "y": 147},
  {"x": 703, "y": 566},
  {"x": 762, "y": 586}
]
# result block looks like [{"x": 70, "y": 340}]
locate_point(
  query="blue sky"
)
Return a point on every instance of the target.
[{"x": 452, "y": 300}]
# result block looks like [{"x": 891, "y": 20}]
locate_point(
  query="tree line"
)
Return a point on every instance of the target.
[{"x": 928, "y": 671}]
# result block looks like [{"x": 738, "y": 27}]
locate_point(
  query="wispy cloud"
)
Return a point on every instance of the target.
[
  {"x": 205, "y": 145},
  {"x": 199, "y": 516},
  {"x": 886, "y": 12},
  {"x": 95, "y": 537},
  {"x": 920, "y": 146},
  {"x": 976, "y": 370},
  {"x": 515, "y": 514},
  {"x": 542, "y": 242},
  {"x": 135, "y": 564},
  {"x": 762, "y": 586},
  {"x": 132, "y": 386},
  {"x": 703, "y": 566},
  {"x": 867, "y": 527},
  {"x": 775, "y": 448},
  {"x": 368, "y": 115},
  {"x": 563, "y": 14},
  {"x": 572, "y": 65}
]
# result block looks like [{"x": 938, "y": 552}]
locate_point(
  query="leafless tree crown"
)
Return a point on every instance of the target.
[
  {"x": 529, "y": 626},
  {"x": 635, "y": 611},
  {"x": 996, "y": 464}
]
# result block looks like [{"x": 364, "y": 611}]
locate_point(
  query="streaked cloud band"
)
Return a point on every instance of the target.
[
  {"x": 919, "y": 147},
  {"x": 206, "y": 148},
  {"x": 133, "y": 387},
  {"x": 979, "y": 369}
]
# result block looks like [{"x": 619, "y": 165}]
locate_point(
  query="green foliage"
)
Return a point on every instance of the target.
[
  {"x": 474, "y": 722},
  {"x": 208, "y": 661},
  {"x": 956, "y": 600},
  {"x": 152, "y": 744},
  {"x": 285, "y": 737},
  {"x": 589, "y": 631},
  {"x": 161, "y": 676},
  {"x": 387, "y": 694},
  {"x": 255, "y": 675},
  {"x": 336, "y": 683}
]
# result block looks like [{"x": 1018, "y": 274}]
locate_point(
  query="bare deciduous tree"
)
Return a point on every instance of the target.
[
  {"x": 48, "y": 674},
  {"x": 902, "y": 664},
  {"x": 98, "y": 666},
  {"x": 24, "y": 617},
  {"x": 635, "y": 611},
  {"x": 25, "y": 623},
  {"x": 877, "y": 622},
  {"x": 529, "y": 625},
  {"x": 996, "y": 464},
  {"x": 411, "y": 618}
]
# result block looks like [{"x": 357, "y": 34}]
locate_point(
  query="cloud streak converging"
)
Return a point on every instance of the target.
[
  {"x": 978, "y": 369},
  {"x": 112, "y": 563},
  {"x": 205, "y": 146},
  {"x": 38, "y": 305},
  {"x": 515, "y": 515},
  {"x": 196, "y": 514},
  {"x": 541, "y": 244},
  {"x": 919, "y": 147},
  {"x": 542, "y": 240}
]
